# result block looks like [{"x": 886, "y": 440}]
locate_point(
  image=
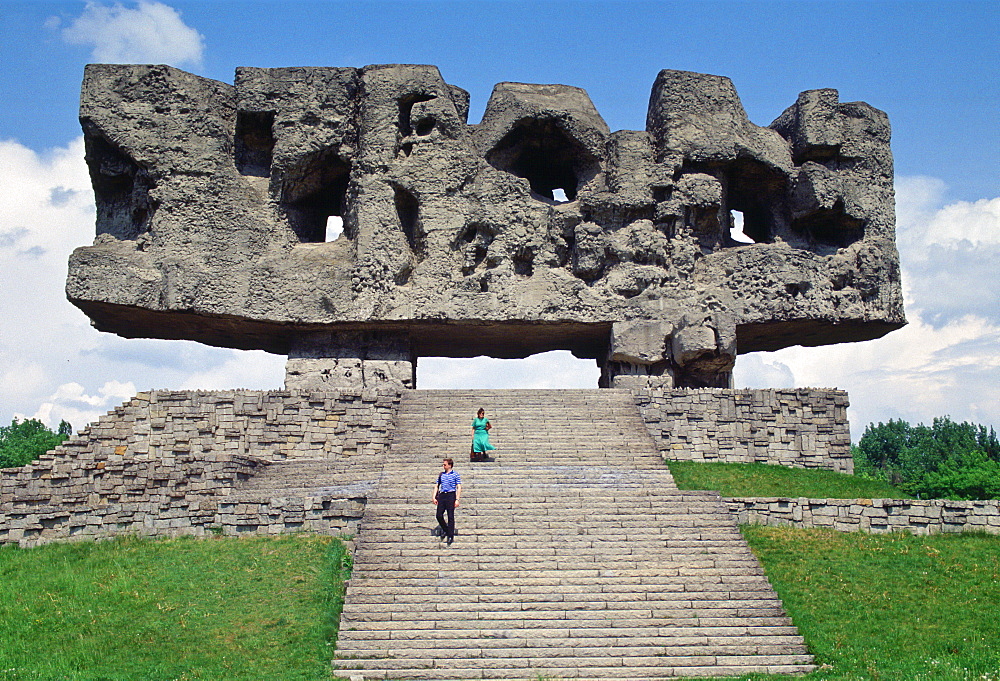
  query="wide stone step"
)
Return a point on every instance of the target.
[
  {"x": 688, "y": 627},
  {"x": 560, "y": 541},
  {"x": 523, "y": 599},
  {"x": 487, "y": 549},
  {"x": 604, "y": 656},
  {"x": 488, "y": 609},
  {"x": 445, "y": 631},
  {"x": 531, "y": 502},
  {"x": 665, "y": 579},
  {"x": 667, "y": 668},
  {"x": 428, "y": 584},
  {"x": 490, "y": 528},
  {"x": 549, "y": 529},
  {"x": 569, "y": 516},
  {"x": 575, "y": 554},
  {"x": 645, "y": 585},
  {"x": 551, "y": 526},
  {"x": 591, "y": 648},
  {"x": 535, "y": 642},
  {"x": 670, "y": 631},
  {"x": 496, "y": 561},
  {"x": 487, "y": 527},
  {"x": 597, "y": 657},
  {"x": 569, "y": 505}
]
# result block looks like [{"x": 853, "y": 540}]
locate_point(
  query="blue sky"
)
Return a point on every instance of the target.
[{"x": 932, "y": 66}]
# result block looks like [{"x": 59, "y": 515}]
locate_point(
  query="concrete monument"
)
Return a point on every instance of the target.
[{"x": 536, "y": 229}]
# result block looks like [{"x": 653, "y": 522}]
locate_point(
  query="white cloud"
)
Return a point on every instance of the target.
[
  {"x": 254, "y": 370},
  {"x": 36, "y": 238},
  {"x": 53, "y": 364},
  {"x": 915, "y": 373},
  {"x": 763, "y": 370},
  {"x": 71, "y": 403},
  {"x": 557, "y": 369},
  {"x": 945, "y": 361},
  {"x": 74, "y": 393},
  {"x": 948, "y": 253},
  {"x": 976, "y": 223},
  {"x": 18, "y": 379},
  {"x": 923, "y": 222},
  {"x": 917, "y": 199},
  {"x": 150, "y": 33}
]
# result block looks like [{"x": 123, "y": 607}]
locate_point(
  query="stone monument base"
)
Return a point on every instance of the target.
[{"x": 170, "y": 463}]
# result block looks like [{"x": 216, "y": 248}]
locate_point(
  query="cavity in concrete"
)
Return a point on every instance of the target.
[{"x": 536, "y": 229}]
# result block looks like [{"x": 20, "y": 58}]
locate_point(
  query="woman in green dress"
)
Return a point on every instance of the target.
[{"x": 480, "y": 437}]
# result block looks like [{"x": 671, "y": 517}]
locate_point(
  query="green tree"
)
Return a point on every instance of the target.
[
  {"x": 943, "y": 460},
  {"x": 880, "y": 448},
  {"x": 970, "y": 476},
  {"x": 24, "y": 441}
]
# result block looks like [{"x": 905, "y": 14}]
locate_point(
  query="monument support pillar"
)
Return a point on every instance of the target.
[
  {"x": 638, "y": 356},
  {"x": 697, "y": 352},
  {"x": 351, "y": 360}
]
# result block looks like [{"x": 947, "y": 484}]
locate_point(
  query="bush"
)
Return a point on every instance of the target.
[
  {"x": 24, "y": 441},
  {"x": 945, "y": 460}
]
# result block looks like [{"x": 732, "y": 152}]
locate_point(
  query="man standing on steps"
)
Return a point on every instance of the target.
[{"x": 447, "y": 493}]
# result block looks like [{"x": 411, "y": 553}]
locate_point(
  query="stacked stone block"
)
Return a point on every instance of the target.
[
  {"x": 317, "y": 513},
  {"x": 801, "y": 428},
  {"x": 234, "y": 462},
  {"x": 179, "y": 462},
  {"x": 107, "y": 494},
  {"x": 930, "y": 516}
]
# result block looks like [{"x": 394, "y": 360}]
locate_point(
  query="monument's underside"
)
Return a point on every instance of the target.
[{"x": 536, "y": 229}]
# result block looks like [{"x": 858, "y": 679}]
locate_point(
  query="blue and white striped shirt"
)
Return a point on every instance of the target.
[{"x": 449, "y": 482}]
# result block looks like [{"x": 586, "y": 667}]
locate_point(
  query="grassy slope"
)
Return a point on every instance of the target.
[
  {"x": 889, "y": 607},
  {"x": 762, "y": 480},
  {"x": 253, "y": 609},
  {"x": 871, "y": 607}
]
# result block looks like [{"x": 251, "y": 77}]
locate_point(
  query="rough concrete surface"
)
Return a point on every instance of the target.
[{"x": 537, "y": 229}]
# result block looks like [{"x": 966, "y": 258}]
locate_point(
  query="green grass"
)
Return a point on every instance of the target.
[
  {"x": 234, "y": 609},
  {"x": 871, "y": 607},
  {"x": 888, "y": 607},
  {"x": 763, "y": 480}
]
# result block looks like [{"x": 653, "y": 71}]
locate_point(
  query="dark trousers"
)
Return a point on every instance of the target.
[{"x": 446, "y": 504}]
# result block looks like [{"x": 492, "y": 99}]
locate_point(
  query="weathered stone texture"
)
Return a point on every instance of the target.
[
  {"x": 177, "y": 462},
  {"x": 213, "y": 201},
  {"x": 803, "y": 428},
  {"x": 931, "y": 516}
]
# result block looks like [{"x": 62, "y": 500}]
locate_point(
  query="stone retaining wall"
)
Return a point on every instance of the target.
[
  {"x": 802, "y": 428},
  {"x": 182, "y": 462},
  {"x": 931, "y": 516},
  {"x": 174, "y": 462}
]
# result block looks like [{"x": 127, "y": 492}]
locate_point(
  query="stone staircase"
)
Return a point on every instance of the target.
[{"x": 575, "y": 555}]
